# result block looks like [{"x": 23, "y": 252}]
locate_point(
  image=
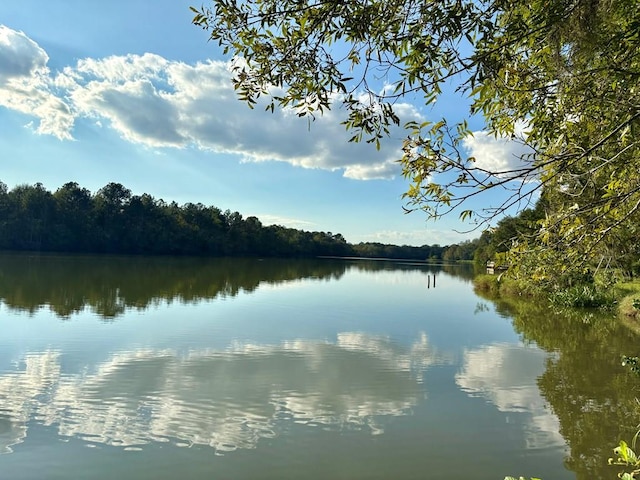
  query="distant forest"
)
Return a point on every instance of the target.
[{"x": 112, "y": 220}]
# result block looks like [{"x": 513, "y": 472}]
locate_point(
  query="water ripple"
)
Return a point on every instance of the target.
[{"x": 224, "y": 399}]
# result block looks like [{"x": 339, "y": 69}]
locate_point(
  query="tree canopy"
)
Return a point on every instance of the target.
[
  {"x": 114, "y": 220},
  {"x": 560, "y": 77}
]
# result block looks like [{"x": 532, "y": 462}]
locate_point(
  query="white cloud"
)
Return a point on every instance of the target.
[
  {"x": 417, "y": 237},
  {"x": 155, "y": 102},
  {"x": 19, "y": 55},
  {"x": 25, "y": 84},
  {"x": 136, "y": 109},
  {"x": 499, "y": 154},
  {"x": 284, "y": 221},
  {"x": 386, "y": 169}
]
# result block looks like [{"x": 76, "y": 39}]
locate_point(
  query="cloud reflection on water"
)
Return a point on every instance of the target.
[
  {"x": 226, "y": 399},
  {"x": 506, "y": 375}
]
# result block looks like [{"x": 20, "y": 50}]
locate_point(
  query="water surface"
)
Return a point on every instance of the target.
[{"x": 160, "y": 368}]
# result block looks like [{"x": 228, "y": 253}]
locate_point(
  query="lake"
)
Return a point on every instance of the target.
[{"x": 165, "y": 368}]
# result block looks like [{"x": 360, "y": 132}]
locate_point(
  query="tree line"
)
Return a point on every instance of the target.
[{"x": 115, "y": 221}]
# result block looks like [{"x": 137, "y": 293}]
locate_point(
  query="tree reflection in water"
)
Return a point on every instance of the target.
[
  {"x": 585, "y": 384},
  {"x": 109, "y": 285}
]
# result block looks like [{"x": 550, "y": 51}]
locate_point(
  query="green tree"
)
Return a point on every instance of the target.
[
  {"x": 32, "y": 210},
  {"x": 4, "y": 216},
  {"x": 485, "y": 249},
  {"x": 109, "y": 208},
  {"x": 562, "y": 78},
  {"x": 73, "y": 218},
  {"x": 143, "y": 219}
]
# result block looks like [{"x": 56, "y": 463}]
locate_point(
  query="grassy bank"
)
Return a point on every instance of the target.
[
  {"x": 500, "y": 284},
  {"x": 629, "y": 304},
  {"x": 624, "y": 297}
]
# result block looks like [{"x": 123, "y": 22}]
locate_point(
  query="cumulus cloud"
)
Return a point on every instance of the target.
[
  {"x": 158, "y": 103},
  {"x": 26, "y": 87},
  {"x": 497, "y": 154},
  {"x": 19, "y": 55}
]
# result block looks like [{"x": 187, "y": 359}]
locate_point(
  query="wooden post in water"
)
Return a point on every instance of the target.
[
  {"x": 434, "y": 280},
  {"x": 429, "y": 282}
]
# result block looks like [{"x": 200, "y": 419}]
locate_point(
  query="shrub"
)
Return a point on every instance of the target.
[{"x": 582, "y": 296}]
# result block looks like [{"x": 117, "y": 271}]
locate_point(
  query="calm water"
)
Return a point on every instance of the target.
[{"x": 114, "y": 367}]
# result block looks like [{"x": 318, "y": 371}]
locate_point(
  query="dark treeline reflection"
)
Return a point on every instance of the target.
[
  {"x": 109, "y": 285},
  {"x": 586, "y": 386}
]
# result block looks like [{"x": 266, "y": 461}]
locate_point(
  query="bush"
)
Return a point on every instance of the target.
[{"x": 582, "y": 296}]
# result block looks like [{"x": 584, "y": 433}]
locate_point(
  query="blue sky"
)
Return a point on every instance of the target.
[{"x": 130, "y": 91}]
